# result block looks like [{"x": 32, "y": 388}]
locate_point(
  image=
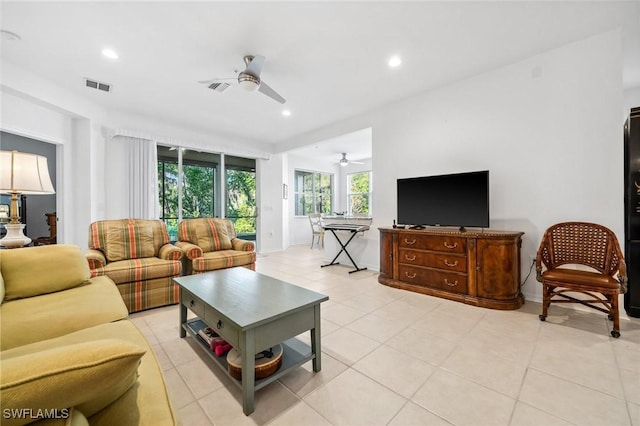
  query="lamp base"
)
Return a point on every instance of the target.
[{"x": 15, "y": 236}]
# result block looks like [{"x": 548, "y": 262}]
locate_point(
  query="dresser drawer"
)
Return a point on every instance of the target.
[
  {"x": 441, "y": 243},
  {"x": 193, "y": 303},
  {"x": 444, "y": 261},
  {"x": 451, "y": 282},
  {"x": 222, "y": 326}
]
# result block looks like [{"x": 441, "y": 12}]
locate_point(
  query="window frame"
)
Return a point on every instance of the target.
[
  {"x": 368, "y": 194},
  {"x": 316, "y": 193}
]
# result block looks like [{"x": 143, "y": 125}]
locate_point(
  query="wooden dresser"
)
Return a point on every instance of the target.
[{"x": 480, "y": 268}]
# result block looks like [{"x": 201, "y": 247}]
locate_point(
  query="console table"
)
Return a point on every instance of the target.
[{"x": 480, "y": 268}]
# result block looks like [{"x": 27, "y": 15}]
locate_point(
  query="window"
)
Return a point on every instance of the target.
[
  {"x": 190, "y": 184},
  {"x": 241, "y": 195},
  {"x": 313, "y": 192},
  {"x": 359, "y": 190}
]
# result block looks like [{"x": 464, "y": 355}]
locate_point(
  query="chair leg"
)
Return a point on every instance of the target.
[
  {"x": 546, "y": 300},
  {"x": 615, "y": 312},
  {"x": 313, "y": 237}
]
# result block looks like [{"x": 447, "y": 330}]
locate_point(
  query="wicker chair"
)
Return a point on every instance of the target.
[{"x": 585, "y": 244}]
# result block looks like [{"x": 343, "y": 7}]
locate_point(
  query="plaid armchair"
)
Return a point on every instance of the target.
[
  {"x": 210, "y": 243},
  {"x": 137, "y": 255}
]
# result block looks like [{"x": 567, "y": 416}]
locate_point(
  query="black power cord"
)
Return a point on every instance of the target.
[{"x": 533, "y": 262}]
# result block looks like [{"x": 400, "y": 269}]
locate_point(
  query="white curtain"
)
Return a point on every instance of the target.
[{"x": 143, "y": 178}]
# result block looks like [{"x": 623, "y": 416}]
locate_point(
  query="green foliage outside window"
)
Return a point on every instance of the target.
[
  {"x": 197, "y": 194},
  {"x": 241, "y": 200},
  {"x": 359, "y": 193},
  {"x": 313, "y": 192}
]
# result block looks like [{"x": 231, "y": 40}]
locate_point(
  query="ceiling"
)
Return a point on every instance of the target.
[
  {"x": 357, "y": 146},
  {"x": 328, "y": 59}
]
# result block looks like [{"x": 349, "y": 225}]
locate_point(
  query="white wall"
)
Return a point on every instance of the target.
[
  {"x": 273, "y": 214},
  {"x": 548, "y": 129}
]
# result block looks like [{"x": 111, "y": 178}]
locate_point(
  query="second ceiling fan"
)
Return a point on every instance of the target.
[{"x": 344, "y": 161}]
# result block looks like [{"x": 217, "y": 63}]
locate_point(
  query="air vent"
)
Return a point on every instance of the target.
[
  {"x": 97, "y": 85},
  {"x": 219, "y": 87}
]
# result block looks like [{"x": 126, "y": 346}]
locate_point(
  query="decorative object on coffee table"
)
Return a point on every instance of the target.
[{"x": 267, "y": 362}]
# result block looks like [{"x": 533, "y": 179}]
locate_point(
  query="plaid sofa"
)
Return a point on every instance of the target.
[
  {"x": 211, "y": 243},
  {"x": 137, "y": 255}
]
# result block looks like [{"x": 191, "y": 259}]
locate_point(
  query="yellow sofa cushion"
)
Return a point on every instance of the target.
[
  {"x": 88, "y": 375},
  {"x": 32, "y": 271},
  {"x": 37, "y": 318},
  {"x": 146, "y": 402}
]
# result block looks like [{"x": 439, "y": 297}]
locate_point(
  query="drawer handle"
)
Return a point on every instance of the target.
[
  {"x": 451, "y": 265},
  {"x": 446, "y": 281},
  {"x": 412, "y": 242},
  {"x": 450, "y": 246},
  {"x": 410, "y": 259},
  {"x": 192, "y": 303},
  {"x": 220, "y": 324},
  {"x": 410, "y": 276}
]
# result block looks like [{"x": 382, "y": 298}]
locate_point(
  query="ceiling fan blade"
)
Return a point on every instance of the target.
[
  {"x": 255, "y": 66},
  {"x": 220, "y": 80},
  {"x": 355, "y": 162},
  {"x": 264, "y": 88}
]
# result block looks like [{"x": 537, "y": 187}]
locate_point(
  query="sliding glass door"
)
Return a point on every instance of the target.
[{"x": 190, "y": 185}]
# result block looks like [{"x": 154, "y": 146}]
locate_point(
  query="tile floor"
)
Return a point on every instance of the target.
[{"x": 399, "y": 358}]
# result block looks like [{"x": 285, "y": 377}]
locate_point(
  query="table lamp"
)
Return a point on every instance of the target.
[{"x": 21, "y": 173}]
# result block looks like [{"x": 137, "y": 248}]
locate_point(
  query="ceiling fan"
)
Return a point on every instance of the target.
[
  {"x": 344, "y": 162},
  {"x": 249, "y": 79}
]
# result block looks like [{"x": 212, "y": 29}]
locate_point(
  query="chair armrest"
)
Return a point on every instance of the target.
[
  {"x": 242, "y": 245},
  {"x": 539, "y": 268},
  {"x": 170, "y": 252},
  {"x": 622, "y": 276},
  {"x": 96, "y": 259},
  {"x": 190, "y": 250}
]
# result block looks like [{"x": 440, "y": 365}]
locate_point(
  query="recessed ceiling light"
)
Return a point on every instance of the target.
[
  {"x": 110, "y": 53},
  {"x": 394, "y": 61},
  {"x": 286, "y": 112}
]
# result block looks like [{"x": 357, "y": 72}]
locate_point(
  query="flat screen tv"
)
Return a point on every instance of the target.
[{"x": 460, "y": 200}]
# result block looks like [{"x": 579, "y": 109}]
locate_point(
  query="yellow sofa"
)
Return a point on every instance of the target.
[
  {"x": 68, "y": 355},
  {"x": 137, "y": 255},
  {"x": 211, "y": 243}
]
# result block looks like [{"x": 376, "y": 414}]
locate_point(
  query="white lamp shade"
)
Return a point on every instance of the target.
[{"x": 24, "y": 173}]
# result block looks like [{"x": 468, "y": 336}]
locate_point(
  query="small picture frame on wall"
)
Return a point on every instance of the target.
[{"x": 285, "y": 191}]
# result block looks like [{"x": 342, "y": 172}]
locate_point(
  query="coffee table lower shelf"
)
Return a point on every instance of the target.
[{"x": 294, "y": 354}]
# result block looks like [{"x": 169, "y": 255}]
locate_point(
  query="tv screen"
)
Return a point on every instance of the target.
[{"x": 446, "y": 200}]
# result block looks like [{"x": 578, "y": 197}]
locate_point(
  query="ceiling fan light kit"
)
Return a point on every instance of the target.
[{"x": 248, "y": 82}]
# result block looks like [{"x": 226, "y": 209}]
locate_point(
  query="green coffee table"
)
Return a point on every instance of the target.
[{"x": 252, "y": 312}]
